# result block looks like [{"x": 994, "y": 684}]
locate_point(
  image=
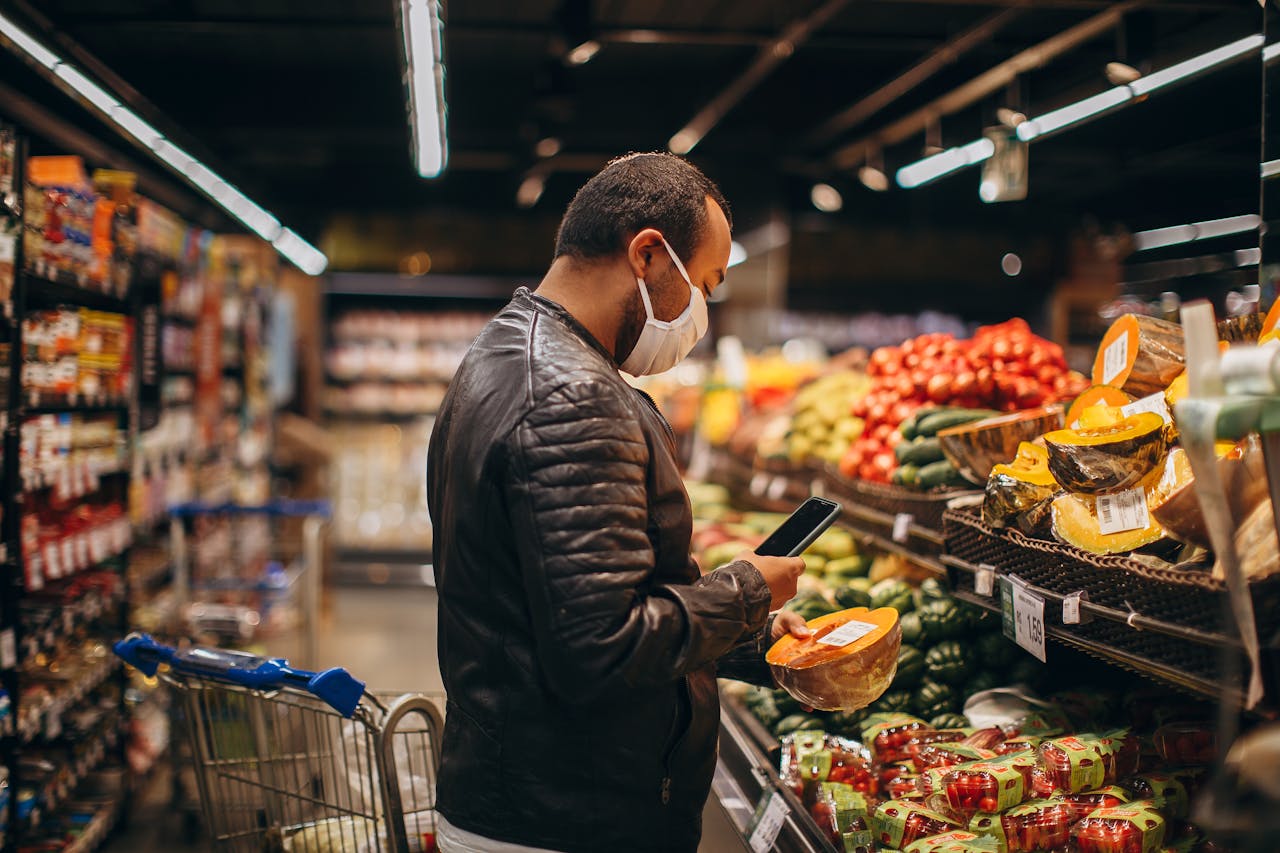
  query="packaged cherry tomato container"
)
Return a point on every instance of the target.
[
  {"x": 985, "y": 786},
  {"x": 1072, "y": 764},
  {"x": 1016, "y": 745},
  {"x": 925, "y": 738},
  {"x": 1131, "y": 828},
  {"x": 1086, "y": 803},
  {"x": 1187, "y": 743},
  {"x": 1042, "y": 827},
  {"x": 1165, "y": 792},
  {"x": 898, "y": 823},
  {"x": 841, "y": 813},
  {"x": 1120, "y": 753},
  {"x": 814, "y": 756},
  {"x": 887, "y": 736},
  {"x": 948, "y": 755},
  {"x": 959, "y": 841}
]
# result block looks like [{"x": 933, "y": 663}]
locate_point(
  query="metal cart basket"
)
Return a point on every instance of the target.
[{"x": 301, "y": 762}]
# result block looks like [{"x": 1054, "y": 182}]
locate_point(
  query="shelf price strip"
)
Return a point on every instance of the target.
[
  {"x": 1023, "y": 616},
  {"x": 772, "y": 811}
]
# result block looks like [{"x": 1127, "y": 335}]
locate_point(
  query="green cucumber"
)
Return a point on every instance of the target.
[
  {"x": 908, "y": 428},
  {"x": 939, "y": 474},
  {"x": 942, "y": 419},
  {"x": 905, "y": 475},
  {"x": 920, "y": 452}
]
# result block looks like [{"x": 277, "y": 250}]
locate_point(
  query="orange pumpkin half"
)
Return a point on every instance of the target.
[{"x": 846, "y": 664}]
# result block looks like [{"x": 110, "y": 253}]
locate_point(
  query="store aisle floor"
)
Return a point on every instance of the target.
[{"x": 387, "y": 637}]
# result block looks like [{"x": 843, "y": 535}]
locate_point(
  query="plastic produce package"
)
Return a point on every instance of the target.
[
  {"x": 1073, "y": 764},
  {"x": 842, "y": 814},
  {"x": 958, "y": 841},
  {"x": 847, "y": 663},
  {"x": 898, "y": 823},
  {"x": 937, "y": 755},
  {"x": 813, "y": 757},
  {"x": 984, "y": 786},
  {"x": 1039, "y": 827},
  {"x": 1086, "y": 803},
  {"x": 888, "y": 735},
  {"x": 1131, "y": 828},
  {"x": 1166, "y": 794}
]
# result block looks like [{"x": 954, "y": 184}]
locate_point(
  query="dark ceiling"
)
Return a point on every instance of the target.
[{"x": 302, "y": 105}]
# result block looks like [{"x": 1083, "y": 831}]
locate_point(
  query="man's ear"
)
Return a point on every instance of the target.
[{"x": 641, "y": 249}]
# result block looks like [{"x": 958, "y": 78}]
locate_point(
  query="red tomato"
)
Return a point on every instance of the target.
[{"x": 939, "y": 388}]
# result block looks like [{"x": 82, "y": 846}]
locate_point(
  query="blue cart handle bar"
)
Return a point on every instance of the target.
[
  {"x": 286, "y": 508},
  {"x": 336, "y": 687}
]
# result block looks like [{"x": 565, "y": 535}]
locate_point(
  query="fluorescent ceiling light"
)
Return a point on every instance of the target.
[
  {"x": 584, "y": 53},
  {"x": 1158, "y": 238},
  {"x": 424, "y": 35},
  {"x": 931, "y": 168},
  {"x": 1270, "y": 52},
  {"x": 27, "y": 44},
  {"x": 1196, "y": 65},
  {"x": 1073, "y": 113},
  {"x": 301, "y": 253},
  {"x": 737, "y": 254}
]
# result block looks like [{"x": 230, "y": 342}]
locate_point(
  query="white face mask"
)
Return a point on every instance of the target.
[{"x": 664, "y": 343}]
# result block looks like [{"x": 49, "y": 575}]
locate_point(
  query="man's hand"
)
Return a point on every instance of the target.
[
  {"x": 786, "y": 622},
  {"x": 780, "y": 573}
]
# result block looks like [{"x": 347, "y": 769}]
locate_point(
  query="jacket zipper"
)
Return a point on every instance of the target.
[
  {"x": 665, "y": 790},
  {"x": 653, "y": 405}
]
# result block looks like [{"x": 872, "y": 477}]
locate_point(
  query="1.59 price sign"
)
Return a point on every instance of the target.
[{"x": 1028, "y": 618}]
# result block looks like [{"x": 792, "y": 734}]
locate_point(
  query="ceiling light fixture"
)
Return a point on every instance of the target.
[
  {"x": 423, "y": 43},
  {"x": 583, "y": 53},
  {"x": 872, "y": 175},
  {"x": 530, "y": 189},
  {"x": 548, "y": 146},
  {"x": 302, "y": 254},
  {"x": 1121, "y": 73},
  {"x": 931, "y": 168},
  {"x": 737, "y": 253},
  {"x": 683, "y": 141},
  {"x": 1158, "y": 238},
  {"x": 826, "y": 198}
]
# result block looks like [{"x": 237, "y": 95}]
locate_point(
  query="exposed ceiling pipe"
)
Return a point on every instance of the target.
[
  {"x": 769, "y": 57},
  {"x": 848, "y": 156},
  {"x": 933, "y": 62}
]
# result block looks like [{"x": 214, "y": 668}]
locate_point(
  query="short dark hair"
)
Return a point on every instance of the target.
[{"x": 635, "y": 192}]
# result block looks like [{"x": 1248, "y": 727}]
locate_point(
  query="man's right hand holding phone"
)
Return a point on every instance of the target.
[{"x": 780, "y": 573}]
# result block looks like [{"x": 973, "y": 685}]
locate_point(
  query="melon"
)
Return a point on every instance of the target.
[
  {"x": 1139, "y": 355},
  {"x": 1096, "y": 395},
  {"x": 1016, "y": 487},
  {"x": 1075, "y": 522},
  {"x": 850, "y": 670},
  {"x": 1243, "y": 473},
  {"x": 1108, "y": 452},
  {"x": 975, "y": 448}
]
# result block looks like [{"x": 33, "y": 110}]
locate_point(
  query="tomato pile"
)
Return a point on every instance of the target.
[{"x": 1005, "y": 367}]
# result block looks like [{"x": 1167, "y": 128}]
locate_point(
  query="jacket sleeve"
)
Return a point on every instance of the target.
[
  {"x": 745, "y": 661},
  {"x": 575, "y": 488}
]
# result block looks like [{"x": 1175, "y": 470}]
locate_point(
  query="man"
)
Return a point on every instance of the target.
[{"x": 578, "y": 643}]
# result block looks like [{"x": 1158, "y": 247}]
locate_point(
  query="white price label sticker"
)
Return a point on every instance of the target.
[
  {"x": 8, "y": 649},
  {"x": 984, "y": 580},
  {"x": 902, "y": 526},
  {"x": 816, "y": 488},
  {"x": 848, "y": 633},
  {"x": 777, "y": 489},
  {"x": 1071, "y": 609},
  {"x": 1115, "y": 358},
  {"x": 1154, "y": 403},
  {"x": 1123, "y": 511},
  {"x": 769, "y": 824},
  {"x": 758, "y": 484},
  {"x": 1028, "y": 621}
]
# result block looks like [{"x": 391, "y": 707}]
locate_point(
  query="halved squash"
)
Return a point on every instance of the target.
[
  {"x": 846, "y": 664},
  {"x": 1242, "y": 470},
  {"x": 1075, "y": 522},
  {"x": 1109, "y": 451},
  {"x": 1272, "y": 320},
  {"x": 1140, "y": 355},
  {"x": 1096, "y": 395},
  {"x": 975, "y": 448},
  {"x": 1178, "y": 388},
  {"x": 1017, "y": 486},
  {"x": 1244, "y": 329}
]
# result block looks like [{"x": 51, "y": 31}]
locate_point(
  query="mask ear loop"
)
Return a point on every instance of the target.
[
  {"x": 644, "y": 295},
  {"x": 675, "y": 259}
]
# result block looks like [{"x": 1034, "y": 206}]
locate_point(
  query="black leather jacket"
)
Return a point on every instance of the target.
[{"x": 578, "y": 643}]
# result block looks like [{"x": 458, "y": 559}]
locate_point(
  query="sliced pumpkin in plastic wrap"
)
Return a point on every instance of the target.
[
  {"x": 1108, "y": 452},
  {"x": 846, "y": 663},
  {"x": 1018, "y": 487},
  {"x": 1076, "y": 521},
  {"x": 1140, "y": 355},
  {"x": 1242, "y": 471}
]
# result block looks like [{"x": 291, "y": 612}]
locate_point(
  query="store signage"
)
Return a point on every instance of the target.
[
  {"x": 773, "y": 812},
  {"x": 1022, "y": 615},
  {"x": 902, "y": 526}
]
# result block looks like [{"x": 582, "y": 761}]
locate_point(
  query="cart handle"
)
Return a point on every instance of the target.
[
  {"x": 287, "y": 508},
  {"x": 336, "y": 686}
]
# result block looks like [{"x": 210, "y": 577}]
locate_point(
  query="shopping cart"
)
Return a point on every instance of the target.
[
  {"x": 251, "y": 574},
  {"x": 300, "y": 762}
]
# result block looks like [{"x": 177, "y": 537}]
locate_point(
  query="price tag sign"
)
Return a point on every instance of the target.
[
  {"x": 1123, "y": 511},
  {"x": 1154, "y": 403},
  {"x": 777, "y": 489},
  {"x": 902, "y": 526},
  {"x": 769, "y": 824},
  {"x": 1114, "y": 358},
  {"x": 8, "y": 649},
  {"x": 1071, "y": 608},
  {"x": 984, "y": 580},
  {"x": 1028, "y": 619},
  {"x": 847, "y": 633},
  {"x": 758, "y": 484}
]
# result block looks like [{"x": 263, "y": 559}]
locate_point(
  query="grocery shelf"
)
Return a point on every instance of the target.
[
  {"x": 746, "y": 776},
  {"x": 72, "y": 616},
  {"x": 50, "y": 288},
  {"x": 33, "y": 720},
  {"x": 35, "y": 404},
  {"x": 74, "y": 484}
]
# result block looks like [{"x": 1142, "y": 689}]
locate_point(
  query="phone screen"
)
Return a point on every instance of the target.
[{"x": 800, "y": 529}]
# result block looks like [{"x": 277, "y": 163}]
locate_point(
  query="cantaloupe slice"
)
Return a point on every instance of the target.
[
  {"x": 1140, "y": 355},
  {"x": 1096, "y": 395},
  {"x": 846, "y": 664}
]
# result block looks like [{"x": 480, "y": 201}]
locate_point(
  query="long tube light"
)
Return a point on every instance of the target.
[
  {"x": 302, "y": 254},
  {"x": 1158, "y": 238},
  {"x": 424, "y": 36},
  {"x": 932, "y": 168}
]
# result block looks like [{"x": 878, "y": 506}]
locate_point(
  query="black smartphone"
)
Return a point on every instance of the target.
[{"x": 800, "y": 529}]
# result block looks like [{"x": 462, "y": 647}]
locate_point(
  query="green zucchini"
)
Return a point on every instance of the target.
[
  {"x": 905, "y": 475},
  {"x": 921, "y": 451},
  {"x": 908, "y": 427},
  {"x": 942, "y": 419},
  {"x": 939, "y": 474}
]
